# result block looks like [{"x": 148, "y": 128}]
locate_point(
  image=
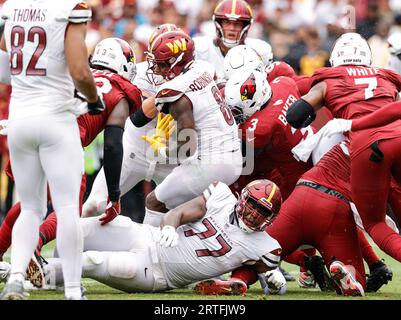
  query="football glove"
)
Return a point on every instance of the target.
[
  {"x": 165, "y": 125},
  {"x": 96, "y": 107},
  {"x": 273, "y": 282},
  {"x": 169, "y": 237},
  {"x": 164, "y": 128},
  {"x": 337, "y": 126},
  {"x": 113, "y": 209}
]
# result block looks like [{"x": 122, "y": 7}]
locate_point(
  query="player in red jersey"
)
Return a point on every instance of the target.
[
  {"x": 352, "y": 89},
  {"x": 113, "y": 75}
]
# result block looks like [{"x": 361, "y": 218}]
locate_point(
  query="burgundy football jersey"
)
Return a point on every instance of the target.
[
  {"x": 114, "y": 88},
  {"x": 279, "y": 69},
  {"x": 355, "y": 91}
]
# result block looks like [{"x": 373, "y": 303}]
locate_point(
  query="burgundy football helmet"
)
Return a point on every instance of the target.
[
  {"x": 171, "y": 54},
  {"x": 232, "y": 10},
  {"x": 166, "y": 27},
  {"x": 258, "y": 205}
]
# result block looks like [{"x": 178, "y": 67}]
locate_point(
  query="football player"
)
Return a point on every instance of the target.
[
  {"x": 113, "y": 68},
  {"x": 351, "y": 89},
  {"x": 208, "y": 146},
  {"x": 44, "y": 41},
  {"x": 200, "y": 239},
  {"x": 394, "y": 44},
  {"x": 232, "y": 19}
]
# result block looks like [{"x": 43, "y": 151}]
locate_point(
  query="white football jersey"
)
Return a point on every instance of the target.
[
  {"x": 34, "y": 33},
  {"x": 214, "y": 124},
  {"x": 213, "y": 245},
  {"x": 207, "y": 49}
]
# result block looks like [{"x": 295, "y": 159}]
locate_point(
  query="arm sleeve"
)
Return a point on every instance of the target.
[
  {"x": 113, "y": 158},
  {"x": 380, "y": 117},
  {"x": 81, "y": 13}
]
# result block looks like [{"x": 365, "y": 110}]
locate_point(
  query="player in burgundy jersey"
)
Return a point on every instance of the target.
[
  {"x": 352, "y": 89},
  {"x": 113, "y": 78}
]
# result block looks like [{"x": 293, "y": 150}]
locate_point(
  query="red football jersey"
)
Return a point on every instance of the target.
[
  {"x": 355, "y": 91},
  {"x": 332, "y": 171},
  {"x": 114, "y": 88},
  {"x": 269, "y": 131},
  {"x": 279, "y": 69}
]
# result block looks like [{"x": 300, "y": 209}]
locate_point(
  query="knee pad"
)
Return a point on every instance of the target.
[{"x": 122, "y": 265}]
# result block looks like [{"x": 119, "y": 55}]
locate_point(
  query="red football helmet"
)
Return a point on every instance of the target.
[
  {"x": 170, "y": 54},
  {"x": 232, "y": 10},
  {"x": 166, "y": 27},
  {"x": 258, "y": 205}
]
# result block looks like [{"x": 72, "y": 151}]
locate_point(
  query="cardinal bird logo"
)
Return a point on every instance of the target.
[{"x": 248, "y": 88}]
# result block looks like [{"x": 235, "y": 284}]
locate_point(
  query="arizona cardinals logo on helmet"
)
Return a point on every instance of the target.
[{"x": 248, "y": 88}]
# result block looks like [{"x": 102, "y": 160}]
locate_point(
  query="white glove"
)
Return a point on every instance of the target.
[
  {"x": 336, "y": 126},
  {"x": 3, "y": 127},
  {"x": 275, "y": 282},
  {"x": 169, "y": 237}
]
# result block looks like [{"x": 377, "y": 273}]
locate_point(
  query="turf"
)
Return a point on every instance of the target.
[{"x": 98, "y": 291}]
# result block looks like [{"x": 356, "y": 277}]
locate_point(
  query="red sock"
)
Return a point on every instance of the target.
[
  {"x": 245, "y": 274},
  {"x": 7, "y": 227},
  {"x": 48, "y": 230},
  {"x": 368, "y": 253},
  {"x": 298, "y": 258}
]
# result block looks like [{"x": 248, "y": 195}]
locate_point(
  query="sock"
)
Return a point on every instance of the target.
[
  {"x": 153, "y": 218},
  {"x": 48, "y": 230},
  {"x": 70, "y": 246},
  {"x": 24, "y": 239},
  {"x": 368, "y": 253},
  {"x": 298, "y": 258},
  {"x": 245, "y": 274},
  {"x": 7, "y": 227},
  {"x": 16, "y": 277}
]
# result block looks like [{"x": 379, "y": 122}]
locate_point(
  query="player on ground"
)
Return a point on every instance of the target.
[
  {"x": 232, "y": 19},
  {"x": 208, "y": 144},
  {"x": 200, "y": 239},
  {"x": 352, "y": 89},
  {"x": 48, "y": 56},
  {"x": 113, "y": 68}
]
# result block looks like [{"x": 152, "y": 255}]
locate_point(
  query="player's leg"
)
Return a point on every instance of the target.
[
  {"x": 62, "y": 160},
  {"x": 30, "y": 184},
  {"x": 370, "y": 183},
  {"x": 126, "y": 271},
  {"x": 7, "y": 227}
]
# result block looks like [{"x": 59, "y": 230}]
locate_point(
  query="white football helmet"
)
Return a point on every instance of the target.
[
  {"x": 246, "y": 92},
  {"x": 351, "y": 49},
  {"x": 116, "y": 55},
  {"x": 394, "y": 47},
  {"x": 241, "y": 57}
]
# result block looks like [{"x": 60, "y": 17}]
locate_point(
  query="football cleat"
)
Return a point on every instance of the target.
[
  {"x": 14, "y": 291},
  {"x": 288, "y": 276},
  {"x": 345, "y": 280},
  {"x": 380, "y": 274},
  {"x": 231, "y": 287},
  {"x": 306, "y": 280},
  {"x": 315, "y": 264},
  {"x": 34, "y": 272}
]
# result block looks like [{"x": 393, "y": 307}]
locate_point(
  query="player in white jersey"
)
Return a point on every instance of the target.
[
  {"x": 208, "y": 147},
  {"x": 44, "y": 40},
  {"x": 394, "y": 42},
  {"x": 232, "y": 19},
  {"x": 205, "y": 237}
]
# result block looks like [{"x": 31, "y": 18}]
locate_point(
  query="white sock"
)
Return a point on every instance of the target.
[
  {"x": 69, "y": 247},
  {"x": 16, "y": 277},
  {"x": 25, "y": 236},
  {"x": 153, "y": 218},
  {"x": 73, "y": 293}
]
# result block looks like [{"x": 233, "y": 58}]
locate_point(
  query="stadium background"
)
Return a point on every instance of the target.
[{"x": 301, "y": 33}]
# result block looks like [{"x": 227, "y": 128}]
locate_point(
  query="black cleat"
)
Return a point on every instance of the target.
[
  {"x": 380, "y": 274},
  {"x": 316, "y": 266}
]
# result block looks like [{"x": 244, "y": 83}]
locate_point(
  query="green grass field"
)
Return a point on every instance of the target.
[{"x": 98, "y": 291}]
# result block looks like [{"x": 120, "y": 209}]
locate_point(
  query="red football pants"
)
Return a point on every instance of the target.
[
  {"x": 323, "y": 221},
  {"x": 370, "y": 185}
]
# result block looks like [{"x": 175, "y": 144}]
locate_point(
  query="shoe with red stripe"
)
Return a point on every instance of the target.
[
  {"x": 221, "y": 287},
  {"x": 345, "y": 280}
]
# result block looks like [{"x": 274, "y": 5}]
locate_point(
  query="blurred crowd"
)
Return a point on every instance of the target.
[{"x": 301, "y": 33}]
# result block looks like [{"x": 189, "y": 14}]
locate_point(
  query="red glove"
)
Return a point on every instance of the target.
[{"x": 113, "y": 209}]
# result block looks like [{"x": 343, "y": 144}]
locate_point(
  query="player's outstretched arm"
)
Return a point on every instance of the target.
[
  {"x": 303, "y": 111},
  {"x": 187, "y": 212},
  {"x": 77, "y": 59},
  {"x": 5, "y": 74}
]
